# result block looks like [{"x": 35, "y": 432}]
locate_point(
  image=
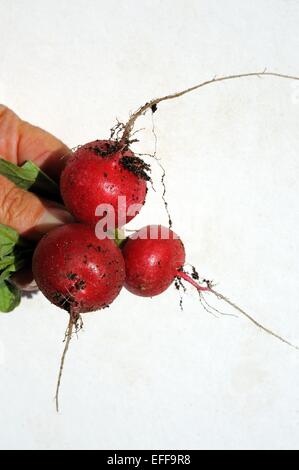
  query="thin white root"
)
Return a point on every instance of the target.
[
  {"x": 128, "y": 128},
  {"x": 250, "y": 318},
  {"x": 68, "y": 337}
]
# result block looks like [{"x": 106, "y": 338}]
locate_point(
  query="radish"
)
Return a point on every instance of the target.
[
  {"x": 78, "y": 273},
  {"x": 154, "y": 258},
  {"x": 152, "y": 262},
  {"x": 99, "y": 173}
]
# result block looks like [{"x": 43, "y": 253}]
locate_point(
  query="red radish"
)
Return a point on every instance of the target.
[
  {"x": 76, "y": 271},
  {"x": 98, "y": 173},
  {"x": 154, "y": 257},
  {"x": 151, "y": 263}
]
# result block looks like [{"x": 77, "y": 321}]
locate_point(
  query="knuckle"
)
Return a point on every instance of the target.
[
  {"x": 9, "y": 132},
  {"x": 19, "y": 209},
  {"x": 13, "y": 204},
  {"x": 5, "y": 111}
]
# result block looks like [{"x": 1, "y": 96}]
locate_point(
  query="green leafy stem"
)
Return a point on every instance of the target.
[{"x": 31, "y": 178}]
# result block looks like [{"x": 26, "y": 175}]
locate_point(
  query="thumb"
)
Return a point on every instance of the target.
[{"x": 28, "y": 214}]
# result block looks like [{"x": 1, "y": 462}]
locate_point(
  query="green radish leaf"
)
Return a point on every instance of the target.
[
  {"x": 8, "y": 234},
  {"x": 15, "y": 252},
  {"x": 14, "y": 262},
  {"x": 8, "y": 239},
  {"x": 10, "y": 296},
  {"x": 30, "y": 177},
  {"x": 12, "y": 268},
  {"x": 6, "y": 261}
]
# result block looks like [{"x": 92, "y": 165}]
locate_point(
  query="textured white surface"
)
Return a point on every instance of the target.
[{"x": 144, "y": 374}]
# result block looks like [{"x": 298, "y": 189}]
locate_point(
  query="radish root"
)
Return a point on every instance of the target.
[
  {"x": 250, "y": 318},
  {"x": 209, "y": 288},
  {"x": 73, "y": 322},
  {"x": 128, "y": 128}
]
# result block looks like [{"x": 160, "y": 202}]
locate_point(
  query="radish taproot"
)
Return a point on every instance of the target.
[
  {"x": 155, "y": 257},
  {"x": 101, "y": 172}
]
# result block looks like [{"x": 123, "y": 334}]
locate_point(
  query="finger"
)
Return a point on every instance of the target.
[
  {"x": 28, "y": 214},
  {"x": 21, "y": 141}
]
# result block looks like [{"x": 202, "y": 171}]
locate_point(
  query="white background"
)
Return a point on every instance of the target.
[{"x": 144, "y": 374}]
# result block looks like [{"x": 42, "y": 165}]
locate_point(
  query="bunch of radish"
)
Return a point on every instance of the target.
[{"x": 83, "y": 266}]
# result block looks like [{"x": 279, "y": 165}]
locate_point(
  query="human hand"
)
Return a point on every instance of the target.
[{"x": 19, "y": 209}]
